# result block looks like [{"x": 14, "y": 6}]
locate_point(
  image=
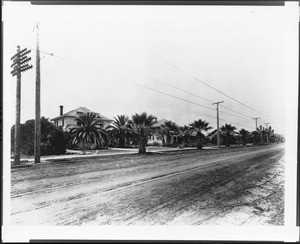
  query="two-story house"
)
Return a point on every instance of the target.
[{"x": 68, "y": 119}]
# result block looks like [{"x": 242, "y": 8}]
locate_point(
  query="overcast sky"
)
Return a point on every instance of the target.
[{"x": 108, "y": 58}]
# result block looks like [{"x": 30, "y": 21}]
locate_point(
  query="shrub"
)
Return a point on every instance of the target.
[{"x": 53, "y": 139}]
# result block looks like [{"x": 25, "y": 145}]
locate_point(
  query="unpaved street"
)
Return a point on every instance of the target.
[{"x": 224, "y": 186}]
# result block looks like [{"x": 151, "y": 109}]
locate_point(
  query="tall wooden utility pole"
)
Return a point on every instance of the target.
[
  {"x": 218, "y": 127},
  {"x": 256, "y": 123},
  {"x": 19, "y": 65},
  {"x": 18, "y": 113},
  {"x": 37, "y": 130}
]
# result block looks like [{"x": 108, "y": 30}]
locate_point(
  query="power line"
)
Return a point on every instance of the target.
[
  {"x": 150, "y": 77},
  {"x": 135, "y": 70},
  {"x": 190, "y": 93},
  {"x": 153, "y": 78},
  {"x": 235, "y": 111},
  {"x": 234, "y": 115},
  {"x": 197, "y": 104},
  {"x": 177, "y": 88},
  {"x": 172, "y": 65},
  {"x": 235, "y": 123},
  {"x": 47, "y": 53},
  {"x": 243, "y": 126}
]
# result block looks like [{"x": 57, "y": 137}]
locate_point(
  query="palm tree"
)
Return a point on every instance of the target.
[
  {"x": 261, "y": 133},
  {"x": 197, "y": 127},
  {"x": 244, "y": 135},
  {"x": 88, "y": 131},
  {"x": 255, "y": 137},
  {"x": 168, "y": 129},
  {"x": 120, "y": 129},
  {"x": 142, "y": 126},
  {"x": 228, "y": 132},
  {"x": 271, "y": 135},
  {"x": 184, "y": 134}
]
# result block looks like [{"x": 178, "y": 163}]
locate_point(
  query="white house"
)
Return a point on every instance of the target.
[
  {"x": 161, "y": 139},
  {"x": 69, "y": 118}
]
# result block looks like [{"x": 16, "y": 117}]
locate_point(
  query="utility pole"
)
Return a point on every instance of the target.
[
  {"x": 218, "y": 128},
  {"x": 37, "y": 129},
  {"x": 267, "y": 130},
  {"x": 256, "y": 122},
  {"x": 19, "y": 65}
]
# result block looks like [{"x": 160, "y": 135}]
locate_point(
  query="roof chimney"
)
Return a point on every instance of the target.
[{"x": 61, "y": 110}]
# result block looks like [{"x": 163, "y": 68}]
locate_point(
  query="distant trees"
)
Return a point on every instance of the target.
[
  {"x": 142, "y": 127},
  {"x": 197, "y": 127},
  {"x": 168, "y": 129},
  {"x": 184, "y": 135},
  {"x": 228, "y": 133},
  {"x": 88, "y": 133},
  {"x": 255, "y": 137},
  {"x": 244, "y": 134},
  {"x": 120, "y": 130}
]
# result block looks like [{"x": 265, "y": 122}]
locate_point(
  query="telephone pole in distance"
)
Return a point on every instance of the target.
[
  {"x": 218, "y": 128},
  {"x": 256, "y": 122}
]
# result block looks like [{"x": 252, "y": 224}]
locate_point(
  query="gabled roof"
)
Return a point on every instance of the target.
[
  {"x": 74, "y": 113},
  {"x": 160, "y": 122},
  {"x": 212, "y": 134}
]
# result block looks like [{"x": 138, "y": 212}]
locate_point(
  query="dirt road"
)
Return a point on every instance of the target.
[{"x": 233, "y": 186}]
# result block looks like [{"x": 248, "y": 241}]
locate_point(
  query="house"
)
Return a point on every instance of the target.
[
  {"x": 158, "y": 138},
  {"x": 68, "y": 119}
]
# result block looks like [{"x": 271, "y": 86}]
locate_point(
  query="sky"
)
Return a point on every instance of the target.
[{"x": 171, "y": 61}]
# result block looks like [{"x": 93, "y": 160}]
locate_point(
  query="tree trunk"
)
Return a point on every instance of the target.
[
  {"x": 227, "y": 144},
  {"x": 127, "y": 141},
  {"x": 122, "y": 141},
  {"x": 143, "y": 142},
  {"x": 199, "y": 144},
  {"x": 168, "y": 139}
]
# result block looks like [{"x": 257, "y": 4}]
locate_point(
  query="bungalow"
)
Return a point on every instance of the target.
[
  {"x": 158, "y": 138},
  {"x": 68, "y": 118},
  {"x": 212, "y": 136}
]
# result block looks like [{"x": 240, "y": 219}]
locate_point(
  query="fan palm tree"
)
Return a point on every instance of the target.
[
  {"x": 244, "y": 135},
  {"x": 197, "y": 127},
  {"x": 228, "y": 132},
  {"x": 184, "y": 134},
  {"x": 271, "y": 135},
  {"x": 168, "y": 129},
  {"x": 88, "y": 131},
  {"x": 120, "y": 129},
  {"x": 261, "y": 133},
  {"x": 142, "y": 126},
  {"x": 255, "y": 137}
]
